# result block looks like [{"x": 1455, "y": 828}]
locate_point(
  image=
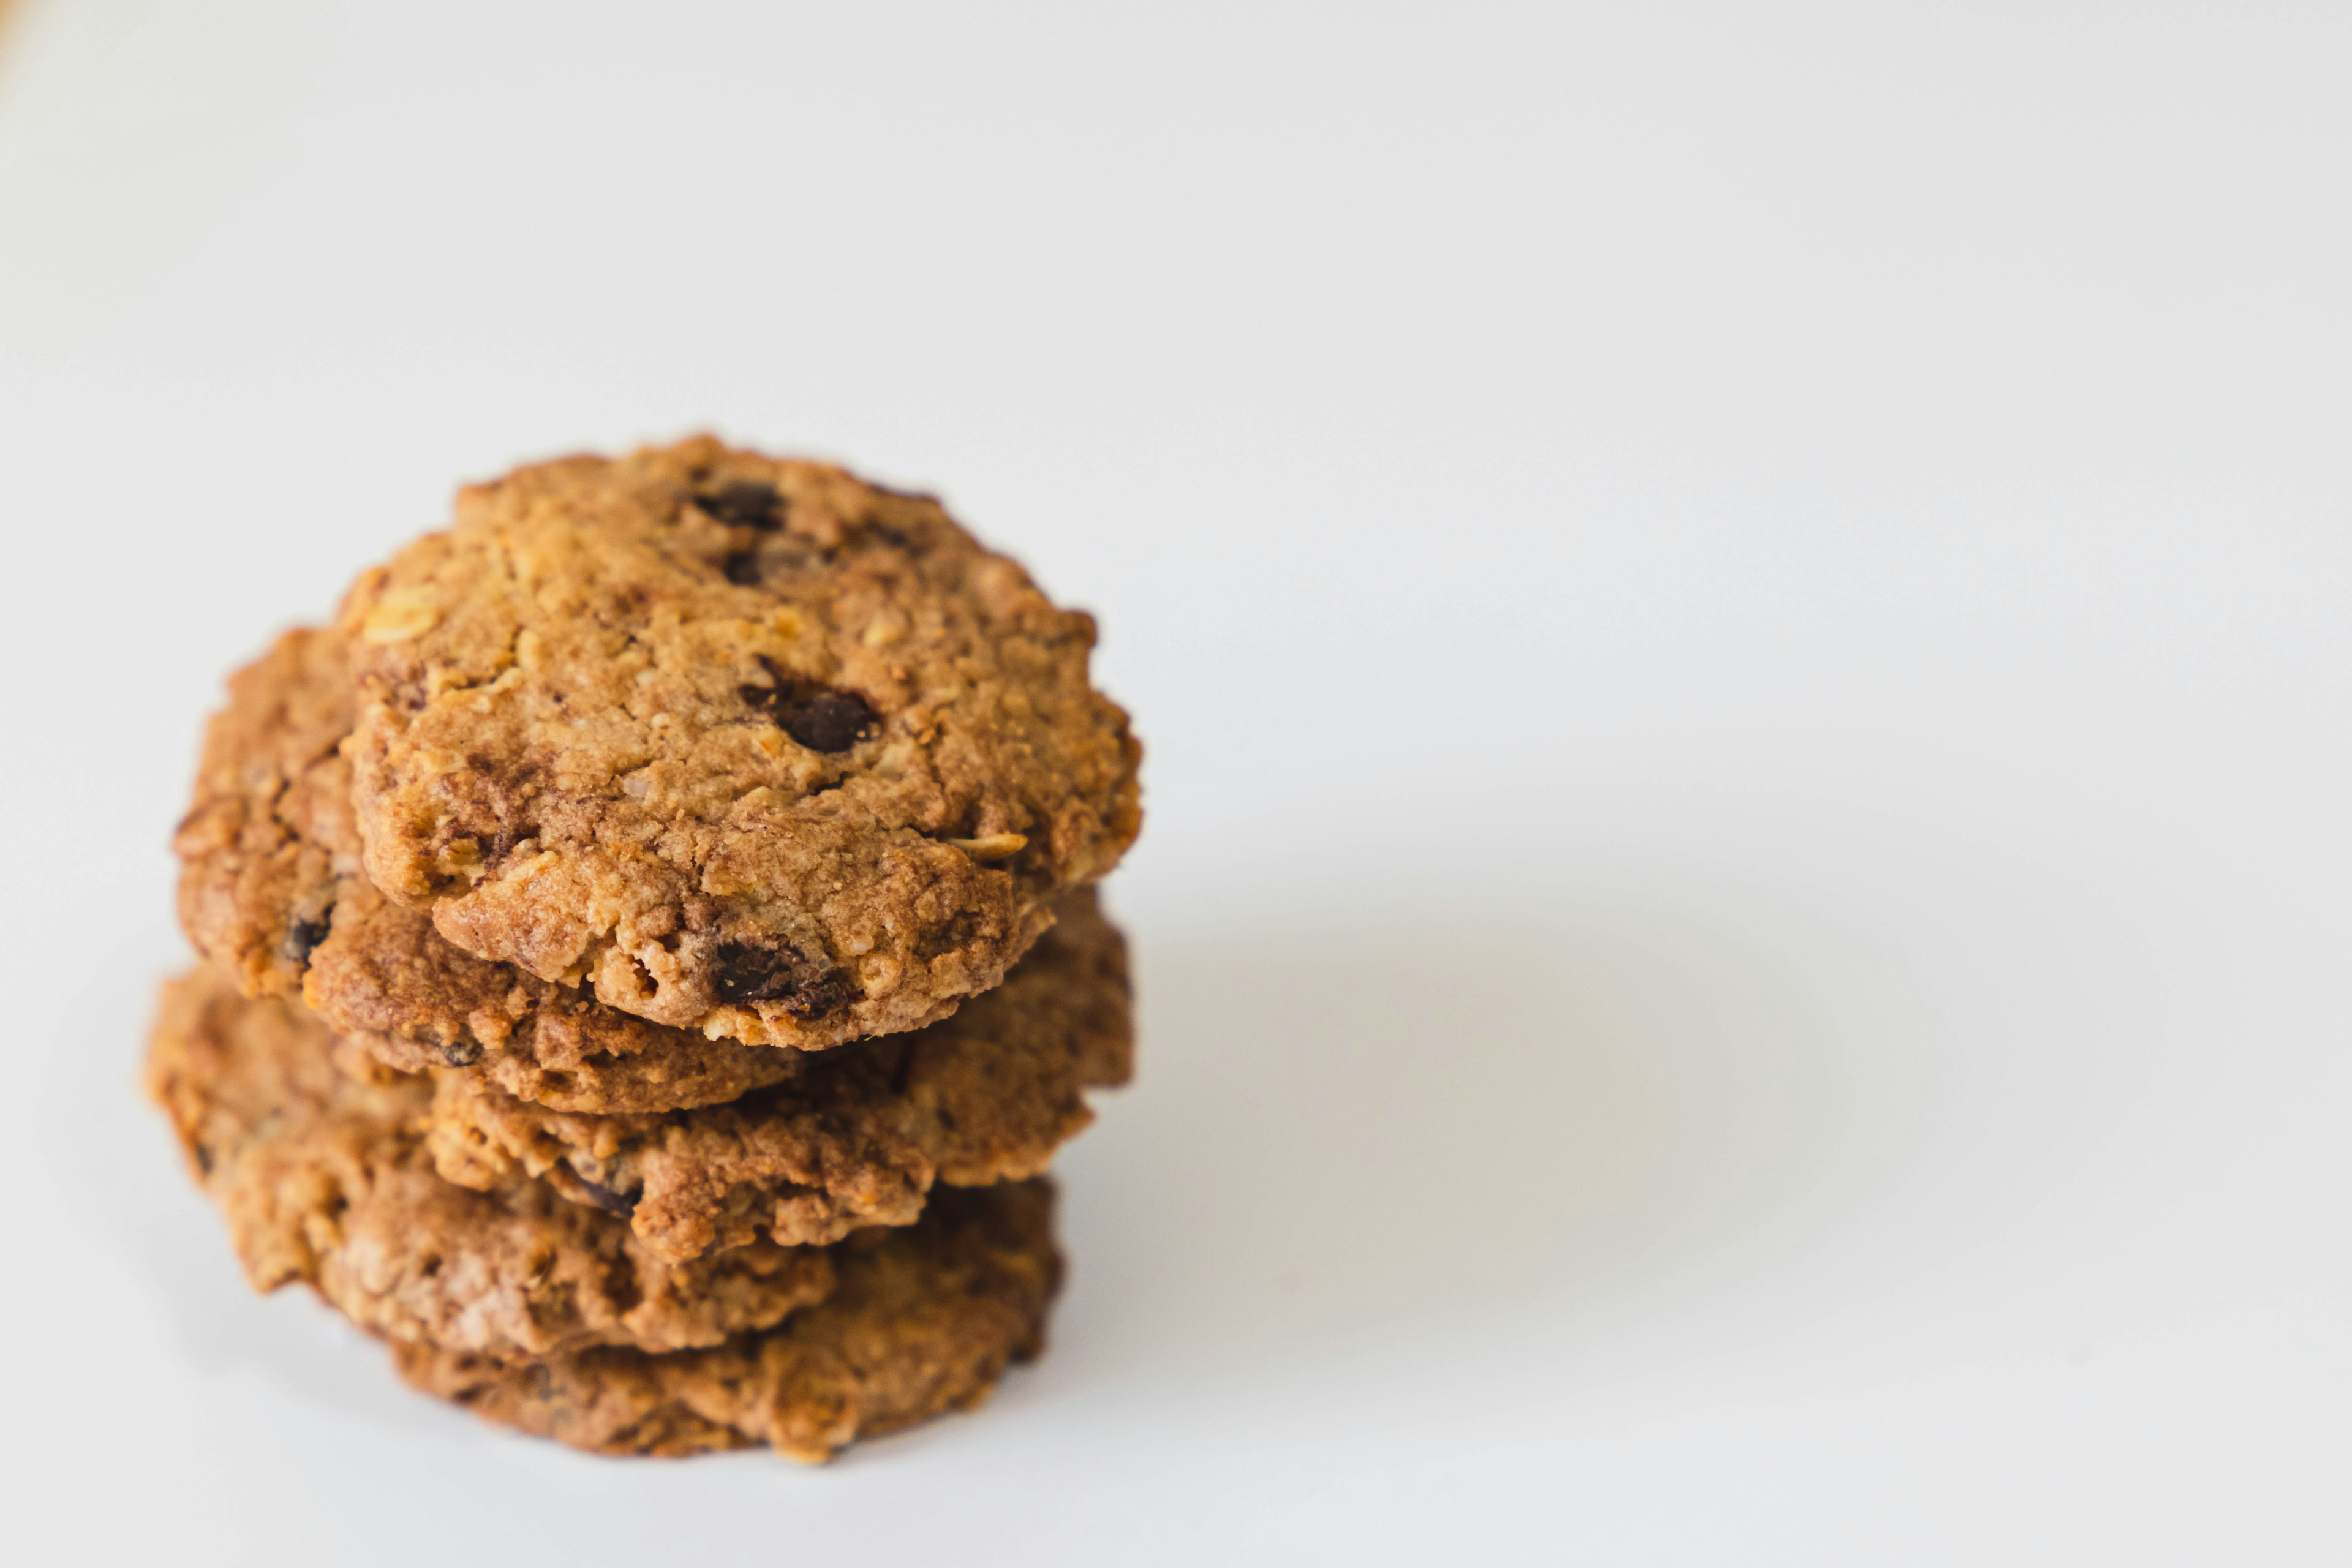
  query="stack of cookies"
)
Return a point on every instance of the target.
[{"x": 650, "y": 954}]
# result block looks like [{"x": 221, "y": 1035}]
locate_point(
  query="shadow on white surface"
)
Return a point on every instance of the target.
[
  {"x": 1437, "y": 1129},
  {"x": 1426, "y": 1131}
]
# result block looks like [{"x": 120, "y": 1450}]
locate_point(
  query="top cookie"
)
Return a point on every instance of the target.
[{"x": 748, "y": 745}]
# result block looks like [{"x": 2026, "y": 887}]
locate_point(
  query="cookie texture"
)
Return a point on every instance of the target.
[
  {"x": 922, "y": 1321},
  {"x": 272, "y": 892},
  {"x": 384, "y": 977},
  {"x": 745, "y": 745},
  {"x": 323, "y": 1177},
  {"x": 270, "y": 833},
  {"x": 854, "y": 1137}
]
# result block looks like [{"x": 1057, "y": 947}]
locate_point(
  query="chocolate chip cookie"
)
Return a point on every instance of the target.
[
  {"x": 854, "y": 1137},
  {"x": 323, "y": 1177},
  {"x": 747, "y": 746},
  {"x": 271, "y": 890},
  {"x": 920, "y": 1321}
]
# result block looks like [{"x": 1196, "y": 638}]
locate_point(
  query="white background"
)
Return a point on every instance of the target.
[{"x": 1741, "y": 617}]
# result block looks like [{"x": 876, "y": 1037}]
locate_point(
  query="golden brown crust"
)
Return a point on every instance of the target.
[
  {"x": 385, "y": 977},
  {"x": 269, "y": 832},
  {"x": 271, "y": 891},
  {"x": 748, "y": 746},
  {"x": 855, "y": 1136},
  {"x": 323, "y": 1177},
  {"x": 922, "y": 1321}
]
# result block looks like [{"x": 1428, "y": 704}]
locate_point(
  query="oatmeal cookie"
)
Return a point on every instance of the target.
[
  {"x": 383, "y": 977},
  {"x": 923, "y": 1322},
  {"x": 271, "y": 890},
  {"x": 854, "y": 1137},
  {"x": 323, "y": 1177},
  {"x": 748, "y": 746}
]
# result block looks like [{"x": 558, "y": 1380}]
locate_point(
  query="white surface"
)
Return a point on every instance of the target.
[{"x": 1742, "y": 625}]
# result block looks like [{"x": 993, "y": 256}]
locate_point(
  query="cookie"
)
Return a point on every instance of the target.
[
  {"x": 383, "y": 976},
  {"x": 854, "y": 1137},
  {"x": 747, "y": 746},
  {"x": 922, "y": 1321},
  {"x": 271, "y": 891},
  {"x": 323, "y": 1177},
  {"x": 269, "y": 835}
]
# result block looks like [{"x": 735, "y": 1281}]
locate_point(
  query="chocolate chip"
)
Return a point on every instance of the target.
[
  {"x": 748, "y": 973},
  {"x": 828, "y": 722},
  {"x": 745, "y": 973},
  {"x": 827, "y": 994},
  {"x": 822, "y": 718},
  {"x": 742, "y": 568},
  {"x": 604, "y": 1197},
  {"x": 302, "y": 936},
  {"x": 461, "y": 1052},
  {"x": 622, "y": 1286},
  {"x": 745, "y": 503}
]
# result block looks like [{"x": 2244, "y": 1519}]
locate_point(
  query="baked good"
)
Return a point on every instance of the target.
[
  {"x": 269, "y": 835},
  {"x": 921, "y": 1320},
  {"x": 322, "y": 1174},
  {"x": 272, "y": 892},
  {"x": 650, "y": 953},
  {"x": 852, "y": 1137},
  {"x": 383, "y": 977},
  {"x": 747, "y": 746}
]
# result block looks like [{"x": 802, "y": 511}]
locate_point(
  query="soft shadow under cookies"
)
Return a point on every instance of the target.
[
  {"x": 1352, "y": 1136},
  {"x": 1346, "y": 1139}
]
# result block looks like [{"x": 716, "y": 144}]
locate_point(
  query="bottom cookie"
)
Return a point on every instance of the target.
[{"x": 921, "y": 1320}]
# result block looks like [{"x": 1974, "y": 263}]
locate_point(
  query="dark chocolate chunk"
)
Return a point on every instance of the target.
[
  {"x": 822, "y": 998},
  {"x": 745, "y": 973},
  {"x": 742, "y": 568},
  {"x": 301, "y": 936},
  {"x": 620, "y": 1285},
  {"x": 604, "y": 1197},
  {"x": 828, "y": 720},
  {"x": 822, "y": 718},
  {"x": 748, "y": 973},
  {"x": 745, "y": 503}
]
